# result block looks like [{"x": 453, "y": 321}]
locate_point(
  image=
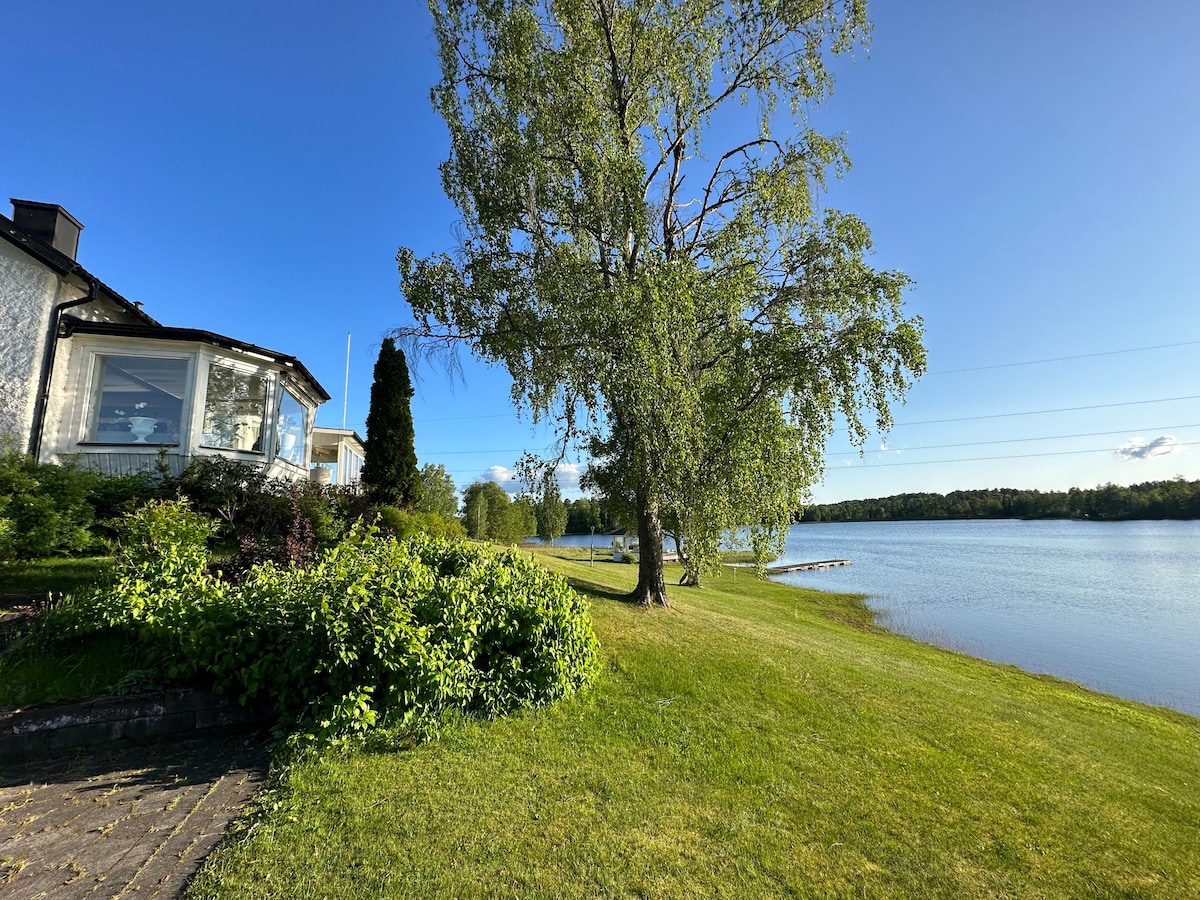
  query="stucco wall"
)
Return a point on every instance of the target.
[{"x": 28, "y": 293}]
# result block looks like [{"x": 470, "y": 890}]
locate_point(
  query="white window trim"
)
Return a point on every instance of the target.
[
  {"x": 269, "y": 375},
  {"x": 87, "y": 412}
]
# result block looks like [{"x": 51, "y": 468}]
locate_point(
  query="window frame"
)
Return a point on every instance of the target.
[
  {"x": 305, "y": 433},
  {"x": 89, "y": 429},
  {"x": 270, "y": 379}
]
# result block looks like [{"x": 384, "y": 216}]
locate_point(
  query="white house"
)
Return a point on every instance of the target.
[
  {"x": 87, "y": 374},
  {"x": 341, "y": 448}
]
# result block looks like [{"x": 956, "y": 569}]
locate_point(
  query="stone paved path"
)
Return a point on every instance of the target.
[{"x": 123, "y": 821}]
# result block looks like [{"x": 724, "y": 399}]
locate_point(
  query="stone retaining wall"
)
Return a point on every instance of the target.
[{"x": 40, "y": 731}]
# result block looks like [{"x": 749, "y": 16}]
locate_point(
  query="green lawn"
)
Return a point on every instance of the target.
[
  {"x": 754, "y": 741},
  {"x": 83, "y": 670},
  {"x": 23, "y": 582}
]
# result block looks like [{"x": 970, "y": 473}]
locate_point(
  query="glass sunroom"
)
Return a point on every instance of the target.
[{"x": 129, "y": 397}]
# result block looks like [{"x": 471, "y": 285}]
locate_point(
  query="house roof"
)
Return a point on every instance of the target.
[
  {"x": 64, "y": 265},
  {"x": 73, "y": 325},
  {"x": 346, "y": 434},
  {"x": 327, "y": 440}
]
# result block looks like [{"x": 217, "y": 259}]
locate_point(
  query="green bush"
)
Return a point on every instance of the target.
[
  {"x": 161, "y": 533},
  {"x": 374, "y": 629},
  {"x": 44, "y": 509},
  {"x": 401, "y": 524},
  {"x": 113, "y": 496},
  {"x": 261, "y": 517}
]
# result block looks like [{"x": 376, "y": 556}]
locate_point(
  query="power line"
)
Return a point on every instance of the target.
[
  {"x": 1052, "y": 437},
  {"x": 959, "y": 419},
  {"x": 1038, "y": 412},
  {"x": 461, "y": 418},
  {"x": 1034, "y": 362},
  {"x": 1028, "y": 412},
  {"x": 931, "y": 462},
  {"x": 1009, "y": 365}
]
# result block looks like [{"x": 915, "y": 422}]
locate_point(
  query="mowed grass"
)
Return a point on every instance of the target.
[
  {"x": 83, "y": 670},
  {"x": 24, "y": 582},
  {"x": 756, "y": 740}
]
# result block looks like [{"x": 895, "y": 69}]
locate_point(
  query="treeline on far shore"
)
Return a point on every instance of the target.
[{"x": 1176, "y": 499}]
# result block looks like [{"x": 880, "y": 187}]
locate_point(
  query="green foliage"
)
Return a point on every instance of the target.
[
  {"x": 238, "y": 494},
  {"x": 113, "y": 496},
  {"x": 390, "y": 473},
  {"x": 685, "y": 309},
  {"x": 585, "y": 514},
  {"x": 48, "y": 509},
  {"x": 490, "y": 515},
  {"x": 44, "y": 508},
  {"x": 438, "y": 494},
  {"x": 1175, "y": 499},
  {"x": 373, "y": 629},
  {"x": 401, "y": 524},
  {"x": 166, "y": 530},
  {"x": 550, "y": 511},
  {"x": 264, "y": 518}
]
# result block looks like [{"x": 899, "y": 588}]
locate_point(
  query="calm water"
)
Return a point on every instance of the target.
[{"x": 1114, "y": 606}]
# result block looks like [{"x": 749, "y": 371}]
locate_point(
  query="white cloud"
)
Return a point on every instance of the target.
[
  {"x": 503, "y": 476},
  {"x": 567, "y": 473},
  {"x": 1140, "y": 448}
]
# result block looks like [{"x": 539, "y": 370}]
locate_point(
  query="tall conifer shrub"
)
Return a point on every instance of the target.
[{"x": 390, "y": 472}]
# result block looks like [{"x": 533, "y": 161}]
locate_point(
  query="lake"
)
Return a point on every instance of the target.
[{"x": 1114, "y": 606}]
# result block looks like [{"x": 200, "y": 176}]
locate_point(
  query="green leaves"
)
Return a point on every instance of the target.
[
  {"x": 373, "y": 630},
  {"x": 683, "y": 308}
]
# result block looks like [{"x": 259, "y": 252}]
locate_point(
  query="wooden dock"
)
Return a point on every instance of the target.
[{"x": 808, "y": 566}]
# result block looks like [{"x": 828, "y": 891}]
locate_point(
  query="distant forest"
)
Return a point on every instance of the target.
[{"x": 1177, "y": 499}]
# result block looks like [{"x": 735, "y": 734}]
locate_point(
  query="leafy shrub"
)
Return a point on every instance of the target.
[
  {"x": 160, "y": 580},
  {"x": 373, "y": 629},
  {"x": 8, "y": 531},
  {"x": 265, "y": 519},
  {"x": 401, "y": 524},
  {"x": 295, "y": 547},
  {"x": 114, "y": 496},
  {"x": 162, "y": 533},
  {"x": 45, "y": 507}
]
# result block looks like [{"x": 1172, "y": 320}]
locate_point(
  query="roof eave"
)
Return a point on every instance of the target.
[{"x": 194, "y": 335}]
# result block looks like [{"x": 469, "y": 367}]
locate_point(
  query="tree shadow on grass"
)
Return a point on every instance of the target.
[{"x": 594, "y": 591}]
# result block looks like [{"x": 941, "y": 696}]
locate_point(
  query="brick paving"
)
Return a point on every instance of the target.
[{"x": 127, "y": 820}]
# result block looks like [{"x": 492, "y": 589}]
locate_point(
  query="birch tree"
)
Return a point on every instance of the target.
[{"x": 642, "y": 249}]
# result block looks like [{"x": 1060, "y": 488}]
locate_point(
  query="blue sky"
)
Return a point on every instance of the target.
[{"x": 251, "y": 168}]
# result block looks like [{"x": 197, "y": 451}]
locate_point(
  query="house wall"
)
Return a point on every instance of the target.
[
  {"x": 29, "y": 291},
  {"x": 73, "y": 393}
]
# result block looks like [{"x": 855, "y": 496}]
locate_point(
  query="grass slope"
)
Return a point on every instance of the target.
[
  {"x": 24, "y": 582},
  {"x": 756, "y": 740}
]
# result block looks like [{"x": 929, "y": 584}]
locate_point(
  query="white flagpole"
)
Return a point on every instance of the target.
[{"x": 346, "y": 390}]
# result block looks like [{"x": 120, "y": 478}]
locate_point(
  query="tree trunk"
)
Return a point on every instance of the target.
[
  {"x": 651, "y": 589},
  {"x": 691, "y": 574}
]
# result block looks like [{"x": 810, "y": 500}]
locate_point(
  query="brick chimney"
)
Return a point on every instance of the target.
[{"x": 49, "y": 223}]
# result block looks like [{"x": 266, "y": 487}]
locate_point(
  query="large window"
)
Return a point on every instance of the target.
[
  {"x": 354, "y": 465},
  {"x": 137, "y": 400},
  {"x": 290, "y": 429},
  {"x": 235, "y": 404}
]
